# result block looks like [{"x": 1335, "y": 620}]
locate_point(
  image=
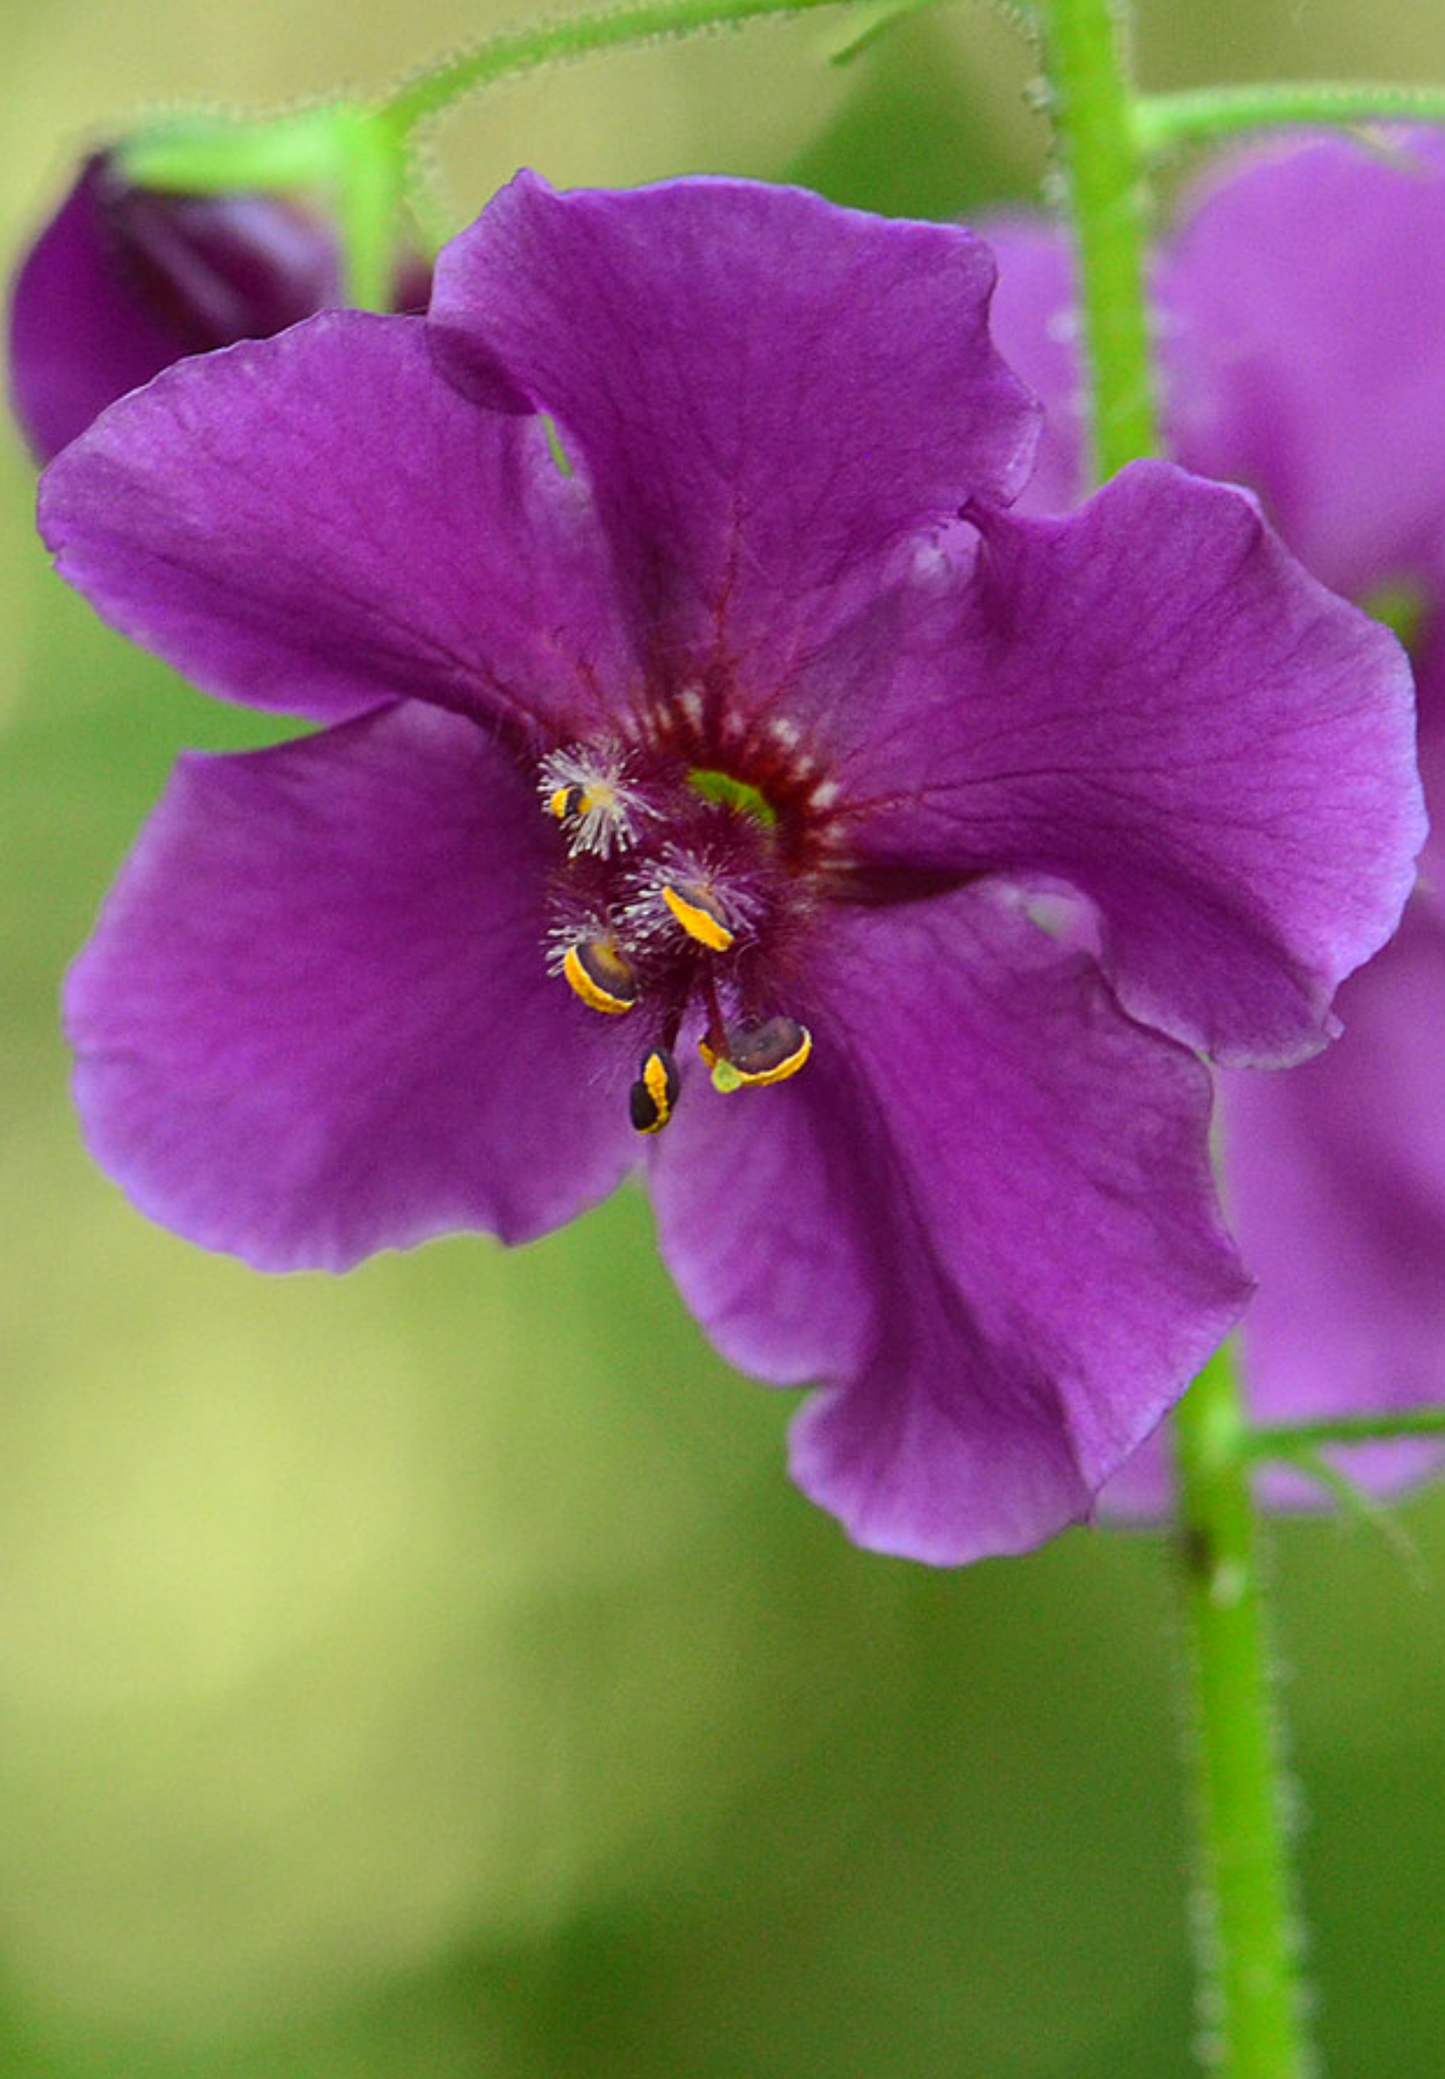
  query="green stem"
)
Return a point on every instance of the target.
[
  {"x": 573, "y": 36},
  {"x": 1248, "y": 1999},
  {"x": 1280, "y": 1440},
  {"x": 1163, "y": 122},
  {"x": 223, "y": 155},
  {"x": 1250, "y": 2003},
  {"x": 371, "y": 182},
  {"x": 1088, "y": 76}
]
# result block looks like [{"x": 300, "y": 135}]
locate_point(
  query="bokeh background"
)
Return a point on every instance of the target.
[{"x": 431, "y": 1673}]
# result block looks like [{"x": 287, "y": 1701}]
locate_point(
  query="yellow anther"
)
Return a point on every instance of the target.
[
  {"x": 588, "y": 795},
  {"x": 652, "y": 1097},
  {"x": 699, "y": 913},
  {"x": 600, "y": 975},
  {"x": 758, "y": 1054},
  {"x": 778, "y": 1071}
]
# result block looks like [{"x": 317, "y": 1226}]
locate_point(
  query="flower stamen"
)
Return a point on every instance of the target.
[
  {"x": 700, "y": 914},
  {"x": 752, "y": 1055},
  {"x": 652, "y": 1097},
  {"x": 567, "y": 803},
  {"x": 589, "y": 795},
  {"x": 602, "y": 976}
]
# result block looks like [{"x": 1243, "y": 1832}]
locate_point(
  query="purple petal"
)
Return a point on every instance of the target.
[
  {"x": 122, "y": 281},
  {"x": 766, "y": 389},
  {"x": 1428, "y": 651},
  {"x": 982, "y": 1214},
  {"x": 1034, "y": 319},
  {"x": 315, "y": 1020},
  {"x": 1302, "y": 342},
  {"x": 1335, "y": 1175},
  {"x": 319, "y": 523},
  {"x": 1336, "y": 1180},
  {"x": 1306, "y": 349},
  {"x": 1303, "y": 352},
  {"x": 1153, "y": 703}
]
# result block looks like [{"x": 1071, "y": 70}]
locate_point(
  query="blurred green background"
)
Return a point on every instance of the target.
[{"x": 432, "y": 1673}]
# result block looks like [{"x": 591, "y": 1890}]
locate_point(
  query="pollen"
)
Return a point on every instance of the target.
[
  {"x": 752, "y": 1055},
  {"x": 652, "y": 1097},
  {"x": 700, "y": 914},
  {"x": 601, "y": 975},
  {"x": 590, "y": 797},
  {"x": 565, "y": 803}
]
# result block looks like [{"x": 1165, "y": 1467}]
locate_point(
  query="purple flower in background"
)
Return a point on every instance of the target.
[
  {"x": 1302, "y": 332},
  {"x": 751, "y": 796},
  {"x": 124, "y": 280}
]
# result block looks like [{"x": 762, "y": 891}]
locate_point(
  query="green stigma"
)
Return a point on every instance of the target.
[
  {"x": 725, "y": 1077},
  {"x": 1401, "y": 607},
  {"x": 732, "y": 794}
]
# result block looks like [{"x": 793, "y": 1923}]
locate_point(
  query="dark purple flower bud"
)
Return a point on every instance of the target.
[{"x": 124, "y": 280}]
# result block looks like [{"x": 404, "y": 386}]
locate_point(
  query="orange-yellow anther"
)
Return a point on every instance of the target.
[
  {"x": 758, "y": 1054},
  {"x": 653, "y": 1095},
  {"x": 699, "y": 913},
  {"x": 600, "y": 976}
]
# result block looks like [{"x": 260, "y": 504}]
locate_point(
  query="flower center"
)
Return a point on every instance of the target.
[
  {"x": 679, "y": 897},
  {"x": 729, "y": 792}
]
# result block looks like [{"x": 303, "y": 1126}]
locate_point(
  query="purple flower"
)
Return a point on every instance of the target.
[
  {"x": 755, "y": 798},
  {"x": 1302, "y": 332},
  {"x": 124, "y": 280}
]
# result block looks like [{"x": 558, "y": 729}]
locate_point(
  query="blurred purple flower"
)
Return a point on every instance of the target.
[
  {"x": 124, "y": 280},
  {"x": 1302, "y": 333},
  {"x": 762, "y": 732}
]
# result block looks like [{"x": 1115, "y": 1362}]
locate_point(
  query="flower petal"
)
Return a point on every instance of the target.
[
  {"x": 1306, "y": 349},
  {"x": 1336, "y": 1179},
  {"x": 1152, "y": 702},
  {"x": 1034, "y": 319},
  {"x": 766, "y": 389},
  {"x": 319, "y": 523},
  {"x": 1335, "y": 1176},
  {"x": 982, "y": 1214},
  {"x": 315, "y": 1020},
  {"x": 1428, "y": 657},
  {"x": 1302, "y": 343}
]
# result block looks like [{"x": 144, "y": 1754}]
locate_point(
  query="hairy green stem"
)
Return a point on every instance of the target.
[
  {"x": 1248, "y": 1999},
  {"x": 1282, "y": 1438},
  {"x": 359, "y": 152},
  {"x": 1164, "y": 122},
  {"x": 574, "y": 36},
  {"x": 371, "y": 169},
  {"x": 1250, "y": 2004},
  {"x": 1091, "y": 103},
  {"x": 219, "y": 154}
]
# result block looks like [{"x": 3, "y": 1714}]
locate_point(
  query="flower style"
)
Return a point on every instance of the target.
[
  {"x": 716, "y": 776},
  {"x": 1302, "y": 335},
  {"x": 123, "y": 280}
]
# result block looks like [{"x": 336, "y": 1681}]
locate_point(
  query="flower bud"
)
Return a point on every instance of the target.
[{"x": 125, "y": 279}]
